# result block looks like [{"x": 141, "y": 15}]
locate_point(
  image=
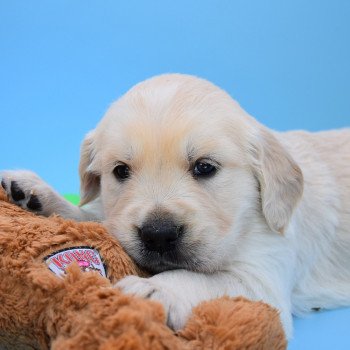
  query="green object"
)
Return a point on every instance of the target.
[{"x": 73, "y": 198}]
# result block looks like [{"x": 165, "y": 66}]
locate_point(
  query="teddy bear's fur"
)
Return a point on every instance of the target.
[{"x": 39, "y": 310}]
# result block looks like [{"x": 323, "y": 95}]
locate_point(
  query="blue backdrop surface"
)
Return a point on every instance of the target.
[{"x": 63, "y": 62}]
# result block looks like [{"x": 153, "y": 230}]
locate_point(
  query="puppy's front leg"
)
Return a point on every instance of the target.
[
  {"x": 180, "y": 290},
  {"x": 29, "y": 191}
]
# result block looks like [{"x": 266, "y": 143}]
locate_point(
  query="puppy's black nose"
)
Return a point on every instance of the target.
[{"x": 160, "y": 233}]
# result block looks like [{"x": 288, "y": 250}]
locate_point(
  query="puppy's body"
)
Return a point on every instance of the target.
[
  {"x": 320, "y": 227},
  {"x": 270, "y": 221}
]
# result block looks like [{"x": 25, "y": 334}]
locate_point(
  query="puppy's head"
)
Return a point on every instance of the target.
[{"x": 183, "y": 172}]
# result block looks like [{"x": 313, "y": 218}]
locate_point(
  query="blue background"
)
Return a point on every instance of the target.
[{"x": 63, "y": 62}]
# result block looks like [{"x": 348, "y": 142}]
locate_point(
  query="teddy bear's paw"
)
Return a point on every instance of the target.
[
  {"x": 26, "y": 189},
  {"x": 177, "y": 309}
]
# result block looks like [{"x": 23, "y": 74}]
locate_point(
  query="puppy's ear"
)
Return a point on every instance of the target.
[
  {"x": 280, "y": 179},
  {"x": 89, "y": 177}
]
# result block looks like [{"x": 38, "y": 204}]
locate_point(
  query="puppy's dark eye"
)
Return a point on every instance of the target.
[
  {"x": 203, "y": 169},
  {"x": 121, "y": 172}
]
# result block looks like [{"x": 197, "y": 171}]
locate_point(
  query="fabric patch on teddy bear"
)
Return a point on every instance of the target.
[{"x": 87, "y": 258}]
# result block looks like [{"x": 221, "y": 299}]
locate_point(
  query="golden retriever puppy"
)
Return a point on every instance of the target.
[{"x": 212, "y": 202}]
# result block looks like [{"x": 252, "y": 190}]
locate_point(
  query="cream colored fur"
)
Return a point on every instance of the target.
[{"x": 273, "y": 224}]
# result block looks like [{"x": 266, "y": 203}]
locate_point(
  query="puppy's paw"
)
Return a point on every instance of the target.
[
  {"x": 177, "y": 309},
  {"x": 27, "y": 190}
]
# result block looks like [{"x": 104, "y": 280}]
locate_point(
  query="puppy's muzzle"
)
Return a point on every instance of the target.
[{"x": 160, "y": 232}]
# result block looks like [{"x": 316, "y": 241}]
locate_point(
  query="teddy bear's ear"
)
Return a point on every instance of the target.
[{"x": 89, "y": 175}]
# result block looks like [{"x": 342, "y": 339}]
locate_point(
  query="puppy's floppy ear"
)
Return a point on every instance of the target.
[
  {"x": 89, "y": 177},
  {"x": 280, "y": 179}
]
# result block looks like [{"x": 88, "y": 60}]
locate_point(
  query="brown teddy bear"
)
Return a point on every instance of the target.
[{"x": 54, "y": 294}]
